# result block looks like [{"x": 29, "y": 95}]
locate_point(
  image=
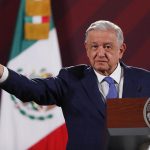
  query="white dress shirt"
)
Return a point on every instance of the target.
[{"x": 118, "y": 77}]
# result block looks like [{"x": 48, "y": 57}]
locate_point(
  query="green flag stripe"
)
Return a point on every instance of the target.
[
  {"x": 28, "y": 19},
  {"x": 19, "y": 44}
]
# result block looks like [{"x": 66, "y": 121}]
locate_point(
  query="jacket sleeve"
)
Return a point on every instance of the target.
[{"x": 42, "y": 91}]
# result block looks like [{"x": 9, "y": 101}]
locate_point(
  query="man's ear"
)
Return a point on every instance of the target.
[
  {"x": 122, "y": 49},
  {"x": 86, "y": 48},
  {"x": 85, "y": 45}
]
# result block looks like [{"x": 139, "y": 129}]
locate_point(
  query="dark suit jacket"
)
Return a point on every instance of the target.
[{"x": 75, "y": 89}]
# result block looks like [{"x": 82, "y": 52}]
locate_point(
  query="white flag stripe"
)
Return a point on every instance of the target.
[
  {"x": 17, "y": 131},
  {"x": 24, "y": 131},
  {"x": 37, "y": 19},
  {"x": 44, "y": 53}
]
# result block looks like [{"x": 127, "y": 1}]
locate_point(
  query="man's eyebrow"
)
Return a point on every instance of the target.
[
  {"x": 94, "y": 43},
  {"x": 108, "y": 43}
]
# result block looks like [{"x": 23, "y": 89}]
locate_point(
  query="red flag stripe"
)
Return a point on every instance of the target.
[
  {"x": 54, "y": 141},
  {"x": 45, "y": 19}
]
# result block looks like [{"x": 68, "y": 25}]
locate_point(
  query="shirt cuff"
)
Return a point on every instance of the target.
[{"x": 5, "y": 75}]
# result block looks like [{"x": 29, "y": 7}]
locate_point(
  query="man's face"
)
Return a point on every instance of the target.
[{"x": 103, "y": 50}]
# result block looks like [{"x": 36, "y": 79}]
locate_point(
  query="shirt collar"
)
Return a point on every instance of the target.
[{"x": 116, "y": 75}]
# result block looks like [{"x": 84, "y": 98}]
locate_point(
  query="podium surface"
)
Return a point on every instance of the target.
[{"x": 125, "y": 116}]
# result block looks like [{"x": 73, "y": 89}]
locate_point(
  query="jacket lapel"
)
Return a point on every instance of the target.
[{"x": 90, "y": 85}]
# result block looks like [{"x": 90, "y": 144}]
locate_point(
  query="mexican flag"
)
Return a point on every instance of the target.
[{"x": 28, "y": 126}]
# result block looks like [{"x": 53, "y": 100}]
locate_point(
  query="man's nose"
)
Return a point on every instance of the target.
[{"x": 101, "y": 51}]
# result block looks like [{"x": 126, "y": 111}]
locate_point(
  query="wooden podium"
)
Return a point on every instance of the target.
[{"x": 125, "y": 116}]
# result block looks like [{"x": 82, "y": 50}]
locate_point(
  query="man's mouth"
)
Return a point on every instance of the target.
[{"x": 101, "y": 61}]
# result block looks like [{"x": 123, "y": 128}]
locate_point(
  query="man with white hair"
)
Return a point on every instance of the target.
[{"x": 81, "y": 91}]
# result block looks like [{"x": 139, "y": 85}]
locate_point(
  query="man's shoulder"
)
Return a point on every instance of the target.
[
  {"x": 80, "y": 67},
  {"x": 77, "y": 70},
  {"x": 137, "y": 71}
]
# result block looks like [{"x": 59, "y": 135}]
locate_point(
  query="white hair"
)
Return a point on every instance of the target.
[{"x": 104, "y": 25}]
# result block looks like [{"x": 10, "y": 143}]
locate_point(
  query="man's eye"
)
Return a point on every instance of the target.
[
  {"x": 94, "y": 46},
  {"x": 107, "y": 46}
]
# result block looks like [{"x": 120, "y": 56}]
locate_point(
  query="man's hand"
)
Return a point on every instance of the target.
[{"x": 1, "y": 70}]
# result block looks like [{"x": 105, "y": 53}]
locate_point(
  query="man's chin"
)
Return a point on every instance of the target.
[{"x": 101, "y": 67}]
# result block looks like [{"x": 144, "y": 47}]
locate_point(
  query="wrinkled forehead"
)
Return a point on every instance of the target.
[
  {"x": 97, "y": 33},
  {"x": 111, "y": 31},
  {"x": 102, "y": 30}
]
